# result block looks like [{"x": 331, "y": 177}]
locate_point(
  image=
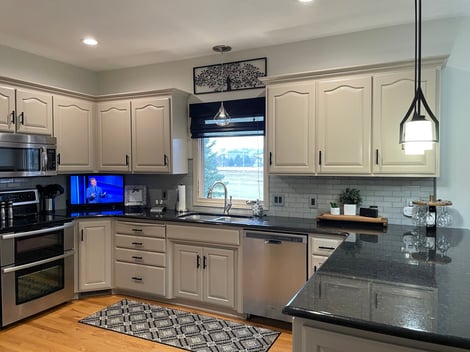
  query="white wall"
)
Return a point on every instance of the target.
[
  {"x": 454, "y": 183},
  {"x": 28, "y": 67}
]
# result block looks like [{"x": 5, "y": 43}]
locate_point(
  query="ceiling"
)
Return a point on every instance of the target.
[{"x": 139, "y": 32}]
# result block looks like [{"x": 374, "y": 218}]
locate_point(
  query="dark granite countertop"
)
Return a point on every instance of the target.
[{"x": 391, "y": 284}]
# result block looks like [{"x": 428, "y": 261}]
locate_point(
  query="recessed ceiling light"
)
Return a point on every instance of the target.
[{"x": 90, "y": 41}]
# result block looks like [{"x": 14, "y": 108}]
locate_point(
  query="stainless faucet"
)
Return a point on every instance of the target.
[{"x": 227, "y": 204}]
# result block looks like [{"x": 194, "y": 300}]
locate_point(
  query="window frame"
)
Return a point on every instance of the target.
[{"x": 198, "y": 178}]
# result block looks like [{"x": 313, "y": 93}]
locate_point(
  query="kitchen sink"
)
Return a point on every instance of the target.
[{"x": 217, "y": 218}]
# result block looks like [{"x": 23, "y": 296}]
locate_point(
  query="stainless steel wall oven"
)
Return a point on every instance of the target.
[{"x": 37, "y": 268}]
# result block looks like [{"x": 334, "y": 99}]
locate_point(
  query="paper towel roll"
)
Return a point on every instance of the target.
[{"x": 181, "y": 198}]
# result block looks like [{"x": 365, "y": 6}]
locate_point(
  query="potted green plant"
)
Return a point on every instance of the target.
[
  {"x": 334, "y": 208},
  {"x": 351, "y": 198}
]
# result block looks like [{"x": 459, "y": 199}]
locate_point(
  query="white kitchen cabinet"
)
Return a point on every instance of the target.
[
  {"x": 291, "y": 128},
  {"x": 143, "y": 135},
  {"x": 343, "y": 113},
  {"x": 7, "y": 109},
  {"x": 114, "y": 136},
  {"x": 321, "y": 246},
  {"x": 140, "y": 257},
  {"x": 393, "y": 93},
  {"x": 204, "y": 274},
  {"x": 94, "y": 255},
  {"x": 25, "y": 111},
  {"x": 310, "y": 336},
  {"x": 205, "y": 265},
  {"x": 73, "y": 128}
]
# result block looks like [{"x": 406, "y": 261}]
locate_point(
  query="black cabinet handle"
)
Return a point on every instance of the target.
[
  {"x": 328, "y": 248},
  {"x": 137, "y": 243},
  {"x": 21, "y": 116},
  {"x": 58, "y": 158},
  {"x": 376, "y": 300},
  {"x": 198, "y": 261},
  {"x": 127, "y": 160},
  {"x": 376, "y": 157},
  {"x": 137, "y": 230},
  {"x": 314, "y": 268},
  {"x": 204, "y": 263},
  {"x": 165, "y": 159},
  {"x": 136, "y": 278},
  {"x": 136, "y": 257},
  {"x": 81, "y": 236},
  {"x": 12, "y": 121},
  {"x": 319, "y": 157}
]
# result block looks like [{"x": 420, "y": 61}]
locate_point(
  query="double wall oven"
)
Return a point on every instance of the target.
[{"x": 36, "y": 257}]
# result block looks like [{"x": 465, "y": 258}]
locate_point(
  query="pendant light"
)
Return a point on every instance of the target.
[
  {"x": 418, "y": 133},
  {"x": 222, "y": 118}
]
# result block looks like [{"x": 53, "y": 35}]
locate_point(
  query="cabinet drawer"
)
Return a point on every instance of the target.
[
  {"x": 140, "y": 278},
  {"x": 140, "y": 257},
  {"x": 324, "y": 246},
  {"x": 140, "y": 242},
  {"x": 131, "y": 228}
]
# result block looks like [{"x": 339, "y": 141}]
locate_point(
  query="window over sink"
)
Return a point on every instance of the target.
[{"x": 232, "y": 154}]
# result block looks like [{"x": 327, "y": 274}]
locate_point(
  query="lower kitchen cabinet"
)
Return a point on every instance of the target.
[
  {"x": 205, "y": 274},
  {"x": 306, "y": 337},
  {"x": 140, "y": 257},
  {"x": 320, "y": 247},
  {"x": 94, "y": 255},
  {"x": 205, "y": 265}
]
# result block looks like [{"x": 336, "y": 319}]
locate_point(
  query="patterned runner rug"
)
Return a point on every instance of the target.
[{"x": 189, "y": 331}]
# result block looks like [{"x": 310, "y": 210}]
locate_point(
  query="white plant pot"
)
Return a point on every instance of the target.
[
  {"x": 334, "y": 211},
  {"x": 350, "y": 209}
]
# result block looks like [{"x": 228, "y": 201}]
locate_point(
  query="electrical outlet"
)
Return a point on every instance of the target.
[
  {"x": 164, "y": 195},
  {"x": 278, "y": 200},
  {"x": 312, "y": 201}
]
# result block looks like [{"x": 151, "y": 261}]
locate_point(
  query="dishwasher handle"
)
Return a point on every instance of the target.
[{"x": 275, "y": 238}]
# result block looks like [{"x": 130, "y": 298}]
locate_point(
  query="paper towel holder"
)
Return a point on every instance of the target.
[{"x": 181, "y": 198}]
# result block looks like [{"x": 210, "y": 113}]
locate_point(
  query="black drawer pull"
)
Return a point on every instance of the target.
[
  {"x": 198, "y": 261},
  {"x": 204, "y": 262},
  {"x": 137, "y": 243},
  {"x": 137, "y": 257},
  {"x": 137, "y": 230},
  {"x": 328, "y": 248},
  {"x": 136, "y": 278}
]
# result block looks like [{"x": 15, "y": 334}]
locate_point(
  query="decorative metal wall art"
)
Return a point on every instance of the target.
[{"x": 229, "y": 76}]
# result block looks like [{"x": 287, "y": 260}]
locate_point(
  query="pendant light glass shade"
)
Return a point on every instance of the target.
[
  {"x": 420, "y": 132},
  {"x": 222, "y": 118}
]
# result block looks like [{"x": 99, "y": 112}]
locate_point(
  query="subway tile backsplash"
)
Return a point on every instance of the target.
[{"x": 389, "y": 194}]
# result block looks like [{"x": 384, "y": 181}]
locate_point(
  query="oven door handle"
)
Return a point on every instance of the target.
[
  {"x": 39, "y": 262},
  {"x": 36, "y": 232}
]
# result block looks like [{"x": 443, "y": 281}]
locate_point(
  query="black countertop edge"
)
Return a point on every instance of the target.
[{"x": 416, "y": 335}]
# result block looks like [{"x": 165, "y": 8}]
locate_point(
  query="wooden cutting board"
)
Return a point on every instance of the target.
[{"x": 355, "y": 218}]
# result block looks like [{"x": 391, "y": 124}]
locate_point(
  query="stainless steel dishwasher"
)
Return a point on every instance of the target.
[{"x": 274, "y": 269}]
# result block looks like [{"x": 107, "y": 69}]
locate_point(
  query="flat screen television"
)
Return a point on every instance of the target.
[{"x": 96, "y": 191}]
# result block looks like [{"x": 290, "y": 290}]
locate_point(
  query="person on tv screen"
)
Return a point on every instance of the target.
[{"x": 94, "y": 193}]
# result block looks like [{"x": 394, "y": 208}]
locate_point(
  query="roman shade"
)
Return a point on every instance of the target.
[{"x": 246, "y": 118}]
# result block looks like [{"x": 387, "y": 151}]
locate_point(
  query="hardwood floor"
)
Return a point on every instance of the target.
[{"x": 58, "y": 330}]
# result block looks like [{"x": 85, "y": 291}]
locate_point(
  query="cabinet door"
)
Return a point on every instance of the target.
[
  {"x": 344, "y": 116},
  {"x": 219, "y": 276},
  {"x": 393, "y": 93},
  {"x": 151, "y": 135},
  {"x": 290, "y": 127},
  {"x": 343, "y": 296},
  {"x": 114, "y": 136},
  {"x": 73, "y": 128},
  {"x": 7, "y": 109},
  {"x": 187, "y": 274},
  {"x": 413, "y": 308},
  {"x": 94, "y": 255},
  {"x": 34, "y": 112}
]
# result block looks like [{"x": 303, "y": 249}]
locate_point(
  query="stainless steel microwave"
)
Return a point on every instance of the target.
[{"x": 24, "y": 155}]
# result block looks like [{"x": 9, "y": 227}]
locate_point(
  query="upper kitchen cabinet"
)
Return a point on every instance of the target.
[
  {"x": 143, "y": 135},
  {"x": 114, "y": 136},
  {"x": 291, "y": 128},
  {"x": 25, "y": 111},
  {"x": 343, "y": 114},
  {"x": 393, "y": 93},
  {"x": 73, "y": 128}
]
